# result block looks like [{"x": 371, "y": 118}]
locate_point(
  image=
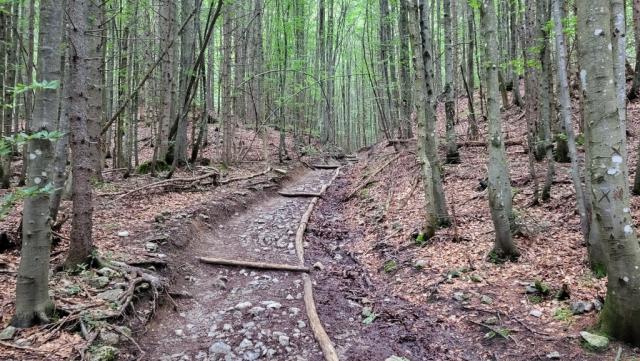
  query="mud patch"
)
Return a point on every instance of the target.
[{"x": 360, "y": 314}]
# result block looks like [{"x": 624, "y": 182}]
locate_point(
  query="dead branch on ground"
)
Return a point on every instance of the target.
[{"x": 249, "y": 264}]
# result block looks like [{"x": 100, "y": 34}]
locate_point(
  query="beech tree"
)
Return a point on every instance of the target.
[
  {"x": 499, "y": 185},
  {"x": 613, "y": 244},
  {"x": 423, "y": 104}
]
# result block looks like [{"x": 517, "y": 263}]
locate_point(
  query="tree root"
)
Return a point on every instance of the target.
[
  {"x": 257, "y": 265},
  {"x": 190, "y": 181}
]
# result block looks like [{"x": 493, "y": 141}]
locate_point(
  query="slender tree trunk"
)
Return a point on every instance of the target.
[
  {"x": 9, "y": 40},
  {"x": 545, "y": 96},
  {"x": 635, "y": 87},
  {"x": 227, "y": 101},
  {"x": 565, "y": 113},
  {"x": 187, "y": 51},
  {"x": 453, "y": 156},
  {"x": 81, "y": 245},
  {"x": 405, "y": 74},
  {"x": 499, "y": 183},
  {"x": 421, "y": 94},
  {"x": 95, "y": 82},
  {"x": 33, "y": 304},
  {"x": 515, "y": 77},
  {"x": 432, "y": 140}
]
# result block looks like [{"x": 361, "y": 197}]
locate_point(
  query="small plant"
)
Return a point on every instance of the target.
[
  {"x": 535, "y": 299},
  {"x": 73, "y": 290},
  {"x": 390, "y": 266},
  {"x": 542, "y": 287},
  {"x": 421, "y": 239},
  {"x": 502, "y": 332},
  {"x": 495, "y": 258},
  {"x": 145, "y": 168},
  {"x": 599, "y": 271},
  {"x": 563, "y": 314},
  {"x": 369, "y": 315}
]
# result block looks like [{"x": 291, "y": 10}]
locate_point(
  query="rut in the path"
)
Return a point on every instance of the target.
[{"x": 240, "y": 314}]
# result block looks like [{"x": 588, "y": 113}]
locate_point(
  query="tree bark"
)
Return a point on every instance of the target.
[
  {"x": 616, "y": 242},
  {"x": 453, "y": 156},
  {"x": 81, "y": 245},
  {"x": 422, "y": 102},
  {"x": 33, "y": 304},
  {"x": 565, "y": 113},
  {"x": 499, "y": 183},
  {"x": 431, "y": 145}
]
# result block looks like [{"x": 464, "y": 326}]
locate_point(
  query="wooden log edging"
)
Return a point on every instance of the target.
[
  {"x": 299, "y": 194},
  {"x": 320, "y": 334},
  {"x": 256, "y": 265}
]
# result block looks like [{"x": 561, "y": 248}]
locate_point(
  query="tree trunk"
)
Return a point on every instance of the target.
[
  {"x": 187, "y": 51},
  {"x": 515, "y": 77},
  {"x": 545, "y": 96},
  {"x": 95, "y": 82},
  {"x": 609, "y": 189},
  {"x": 635, "y": 87},
  {"x": 33, "y": 304},
  {"x": 565, "y": 113},
  {"x": 499, "y": 183},
  {"x": 453, "y": 156},
  {"x": 432, "y": 140},
  {"x": 227, "y": 101},
  {"x": 405, "y": 78},
  {"x": 422, "y": 101},
  {"x": 80, "y": 246}
]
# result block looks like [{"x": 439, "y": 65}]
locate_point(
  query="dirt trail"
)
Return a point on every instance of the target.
[{"x": 241, "y": 314}]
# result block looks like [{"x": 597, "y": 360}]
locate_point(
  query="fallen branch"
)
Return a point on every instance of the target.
[
  {"x": 300, "y": 194},
  {"x": 370, "y": 178},
  {"x": 495, "y": 331},
  {"x": 24, "y": 348},
  {"x": 479, "y": 144},
  {"x": 227, "y": 181},
  {"x": 314, "y": 321},
  {"x": 248, "y": 264},
  {"x": 325, "y": 166}
]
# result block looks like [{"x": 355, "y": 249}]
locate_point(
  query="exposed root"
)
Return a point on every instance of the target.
[{"x": 173, "y": 181}]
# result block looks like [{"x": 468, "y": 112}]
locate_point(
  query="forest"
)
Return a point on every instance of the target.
[{"x": 393, "y": 180}]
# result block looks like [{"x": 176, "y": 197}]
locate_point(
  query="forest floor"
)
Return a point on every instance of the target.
[{"x": 379, "y": 294}]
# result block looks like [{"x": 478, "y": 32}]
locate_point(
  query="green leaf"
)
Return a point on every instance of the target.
[{"x": 369, "y": 319}]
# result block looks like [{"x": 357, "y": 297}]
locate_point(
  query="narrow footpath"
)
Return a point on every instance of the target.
[{"x": 234, "y": 313}]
